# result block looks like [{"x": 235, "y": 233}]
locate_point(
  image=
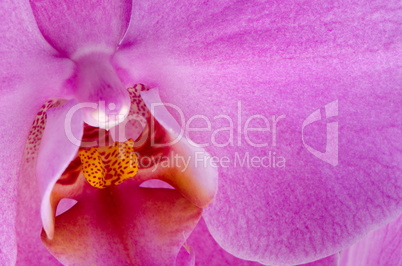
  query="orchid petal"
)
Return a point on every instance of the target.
[
  {"x": 196, "y": 180},
  {"x": 59, "y": 146},
  {"x": 31, "y": 204},
  {"x": 332, "y": 260},
  {"x": 185, "y": 257},
  {"x": 75, "y": 27},
  {"x": 124, "y": 225},
  {"x": 30, "y": 73},
  {"x": 283, "y": 62},
  {"x": 380, "y": 247},
  {"x": 207, "y": 252}
]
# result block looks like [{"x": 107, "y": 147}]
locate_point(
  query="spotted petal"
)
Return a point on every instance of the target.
[
  {"x": 30, "y": 73},
  {"x": 59, "y": 146},
  {"x": 47, "y": 153}
]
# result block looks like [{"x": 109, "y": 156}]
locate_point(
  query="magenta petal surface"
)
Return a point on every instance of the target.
[
  {"x": 380, "y": 247},
  {"x": 327, "y": 261},
  {"x": 284, "y": 62},
  {"x": 30, "y": 73},
  {"x": 206, "y": 251},
  {"x": 79, "y": 26},
  {"x": 124, "y": 225}
]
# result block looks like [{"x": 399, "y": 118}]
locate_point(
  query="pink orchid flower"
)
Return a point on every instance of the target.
[{"x": 249, "y": 83}]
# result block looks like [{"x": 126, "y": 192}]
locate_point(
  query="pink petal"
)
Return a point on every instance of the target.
[
  {"x": 77, "y": 27},
  {"x": 59, "y": 146},
  {"x": 30, "y": 73},
  {"x": 43, "y": 156},
  {"x": 187, "y": 172},
  {"x": 278, "y": 59},
  {"x": 380, "y": 247},
  {"x": 327, "y": 261},
  {"x": 124, "y": 225},
  {"x": 185, "y": 257},
  {"x": 207, "y": 252}
]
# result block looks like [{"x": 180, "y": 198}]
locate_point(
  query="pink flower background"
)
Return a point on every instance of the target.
[{"x": 276, "y": 57}]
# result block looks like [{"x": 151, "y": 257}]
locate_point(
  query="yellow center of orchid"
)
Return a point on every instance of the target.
[{"x": 109, "y": 165}]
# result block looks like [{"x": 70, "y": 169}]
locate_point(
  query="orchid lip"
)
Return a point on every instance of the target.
[{"x": 104, "y": 164}]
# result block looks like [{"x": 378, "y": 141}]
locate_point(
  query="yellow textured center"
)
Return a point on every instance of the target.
[{"x": 109, "y": 165}]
